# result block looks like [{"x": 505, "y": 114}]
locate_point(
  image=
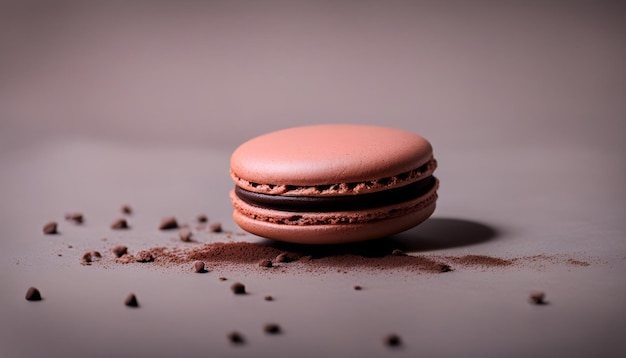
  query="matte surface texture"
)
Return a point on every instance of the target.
[{"x": 107, "y": 103}]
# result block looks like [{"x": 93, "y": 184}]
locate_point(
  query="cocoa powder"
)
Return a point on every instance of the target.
[
  {"x": 577, "y": 262},
  {"x": 313, "y": 259},
  {"x": 480, "y": 260}
]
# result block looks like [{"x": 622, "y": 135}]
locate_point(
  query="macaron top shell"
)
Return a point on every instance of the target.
[{"x": 329, "y": 154}]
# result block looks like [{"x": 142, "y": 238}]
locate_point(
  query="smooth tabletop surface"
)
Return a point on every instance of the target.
[{"x": 105, "y": 105}]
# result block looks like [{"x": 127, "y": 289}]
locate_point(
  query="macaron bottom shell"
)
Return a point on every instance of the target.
[{"x": 333, "y": 234}]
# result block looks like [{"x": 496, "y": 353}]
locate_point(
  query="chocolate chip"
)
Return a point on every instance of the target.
[
  {"x": 284, "y": 257},
  {"x": 538, "y": 298},
  {"x": 235, "y": 337},
  {"x": 223, "y": 279},
  {"x": 126, "y": 209},
  {"x": 199, "y": 267},
  {"x": 268, "y": 298},
  {"x": 393, "y": 340},
  {"x": 33, "y": 294},
  {"x": 119, "y": 224},
  {"x": 168, "y": 223},
  {"x": 50, "y": 228},
  {"x": 272, "y": 328},
  {"x": 119, "y": 250},
  {"x": 90, "y": 256},
  {"x": 75, "y": 217},
  {"x": 184, "y": 235},
  {"x": 215, "y": 227},
  {"x": 131, "y": 300},
  {"x": 144, "y": 256},
  {"x": 265, "y": 263},
  {"x": 202, "y": 218},
  {"x": 398, "y": 252},
  {"x": 238, "y": 288},
  {"x": 358, "y": 288}
]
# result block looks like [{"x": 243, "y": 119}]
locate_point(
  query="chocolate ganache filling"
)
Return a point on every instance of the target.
[{"x": 338, "y": 203}]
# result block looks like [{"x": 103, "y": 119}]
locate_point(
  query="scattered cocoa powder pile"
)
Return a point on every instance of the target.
[
  {"x": 314, "y": 258},
  {"x": 349, "y": 261},
  {"x": 479, "y": 260},
  {"x": 236, "y": 252},
  {"x": 318, "y": 258},
  {"x": 577, "y": 262}
]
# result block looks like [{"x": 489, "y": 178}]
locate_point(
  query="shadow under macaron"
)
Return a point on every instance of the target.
[
  {"x": 433, "y": 234},
  {"x": 438, "y": 233}
]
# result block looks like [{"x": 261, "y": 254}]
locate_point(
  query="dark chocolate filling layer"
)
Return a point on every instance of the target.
[{"x": 337, "y": 203}]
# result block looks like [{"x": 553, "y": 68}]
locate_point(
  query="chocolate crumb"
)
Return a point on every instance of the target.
[
  {"x": 33, "y": 294},
  {"x": 168, "y": 223},
  {"x": 126, "y": 258},
  {"x": 70, "y": 246},
  {"x": 199, "y": 267},
  {"x": 272, "y": 328},
  {"x": 238, "y": 288},
  {"x": 268, "y": 298},
  {"x": 144, "y": 256},
  {"x": 119, "y": 250},
  {"x": 537, "y": 297},
  {"x": 126, "y": 209},
  {"x": 398, "y": 252},
  {"x": 184, "y": 235},
  {"x": 358, "y": 288},
  {"x": 90, "y": 256},
  {"x": 50, "y": 228},
  {"x": 119, "y": 224},
  {"x": 77, "y": 218},
  {"x": 265, "y": 263},
  {"x": 202, "y": 218},
  {"x": 393, "y": 340},
  {"x": 444, "y": 267},
  {"x": 223, "y": 279},
  {"x": 131, "y": 301},
  {"x": 235, "y": 337},
  {"x": 285, "y": 257},
  {"x": 215, "y": 227}
]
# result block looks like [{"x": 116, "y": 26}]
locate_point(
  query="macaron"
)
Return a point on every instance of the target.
[{"x": 333, "y": 183}]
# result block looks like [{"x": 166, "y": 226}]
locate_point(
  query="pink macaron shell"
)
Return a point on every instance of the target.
[{"x": 329, "y": 154}]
